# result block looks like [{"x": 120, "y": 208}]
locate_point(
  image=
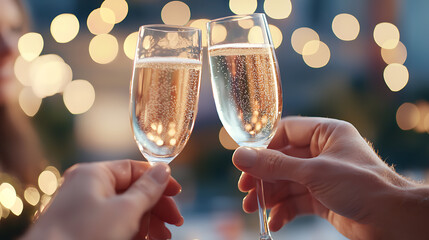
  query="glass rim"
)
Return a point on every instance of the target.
[
  {"x": 169, "y": 28},
  {"x": 235, "y": 17}
]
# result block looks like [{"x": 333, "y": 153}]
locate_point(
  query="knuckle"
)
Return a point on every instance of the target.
[{"x": 273, "y": 164}]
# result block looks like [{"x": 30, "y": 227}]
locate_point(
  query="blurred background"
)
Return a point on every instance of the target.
[{"x": 360, "y": 61}]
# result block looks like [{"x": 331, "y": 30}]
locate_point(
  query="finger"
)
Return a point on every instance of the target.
[
  {"x": 144, "y": 193},
  {"x": 246, "y": 182},
  {"x": 299, "y": 152},
  {"x": 271, "y": 165},
  {"x": 296, "y": 131},
  {"x": 250, "y": 203},
  {"x": 286, "y": 211},
  {"x": 125, "y": 172},
  {"x": 157, "y": 229},
  {"x": 166, "y": 210}
]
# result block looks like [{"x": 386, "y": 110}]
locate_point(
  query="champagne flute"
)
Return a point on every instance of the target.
[
  {"x": 164, "y": 90},
  {"x": 246, "y": 85}
]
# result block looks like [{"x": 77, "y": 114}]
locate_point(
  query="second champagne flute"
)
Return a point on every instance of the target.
[{"x": 246, "y": 85}]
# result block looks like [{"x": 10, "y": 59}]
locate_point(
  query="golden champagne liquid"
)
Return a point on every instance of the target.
[
  {"x": 247, "y": 91},
  {"x": 165, "y": 95}
]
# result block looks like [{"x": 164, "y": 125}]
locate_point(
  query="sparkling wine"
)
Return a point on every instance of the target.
[
  {"x": 246, "y": 91},
  {"x": 166, "y": 93}
]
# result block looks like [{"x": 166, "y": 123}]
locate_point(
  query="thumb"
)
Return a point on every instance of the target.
[
  {"x": 270, "y": 165},
  {"x": 145, "y": 192}
]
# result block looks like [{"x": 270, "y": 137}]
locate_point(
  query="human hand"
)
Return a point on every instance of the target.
[
  {"x": 324, "y": 167},
  {"x": 107, "y": 200}
]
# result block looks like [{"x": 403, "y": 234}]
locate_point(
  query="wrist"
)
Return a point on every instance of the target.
[{"x": 406, "y": 213}]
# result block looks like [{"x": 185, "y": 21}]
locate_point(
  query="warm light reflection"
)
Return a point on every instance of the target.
[
  {"x": 130, "y": 45},
  {"x": 7, "y": 195},
  {"x": 395, "y": 55},
  {"x": 103, "y": 48},
  {"x": 346, "y": 27},
  {"x": 276, "y": 35},
  {"x": 50, "y": 78},
  {"x": 175, "y": 13},
  {"x": 320, "y": 58},
  {"x": 64, "y": 27},
  {"x": 407, "y": 116},
  {"x": 386, "y": 35},
  {"x": 201, "y": 24},
  {"x": 118, "y": 7},
  {"x": 32, "y": 196},
  {"x": 226, "y": 140},
  {"x": 423, "y": 107},
  {"x": 29, "y": 102},
  {"x": 396, "y": 76},
  {"x": 96, "y": 24},
  {"x": 278, "y": 9},
  {"x": 301, "y": 36},
  {"x": 218, "y": 33},
  {"x": 30, "y": 45},
  {"x": 44, "y": 201},
  {"x": 256, "y": 35},
  {"x": 21, "y": 69},
  {"x": 17, "y": 207},
  {"x": 48, "y": 182},
  {"x": 79, "y": 96},
  {"x": 243, "y": 6}
]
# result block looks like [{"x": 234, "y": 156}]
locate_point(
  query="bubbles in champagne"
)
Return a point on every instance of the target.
[
  {"x": 165, "y": 93},
  {"x": 247, "y": 91}
]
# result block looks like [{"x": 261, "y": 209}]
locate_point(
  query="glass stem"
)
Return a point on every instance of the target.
[{"x": 264, "y": 231}]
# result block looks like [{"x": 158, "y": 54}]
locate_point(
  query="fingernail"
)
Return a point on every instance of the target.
[
  {"x": 159, "y": 172},
  {"x": 245, "y": 157}
]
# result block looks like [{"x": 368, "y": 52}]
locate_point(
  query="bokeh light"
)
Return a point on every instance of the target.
[
  {"x": 79, "y": 96},
  {"x": 243, "y": 6},
  {"x": 218, "y": 33},
  {"x": 395, "y": 55},
  {"x": 48, "y": 182},
  {"x": 97, "y": 25},
  {"x": 396, "y": 76},
  {"x": 407, "y": 116},
  {"x": 423, "y": 107},
  {"x": 5, "y": 212},
  {"x": 30, "y": 45},
  {"x": 278, "y": 9},
  {"x": 17, "y": 207},
  {"x": 44, "y": 201},
  {"x": 21, "y": 69},
  {"x": 64, "y": 27},
  {"x": 103, "y": 48},
  {"x": 276, "y": 35},
  {"x": 49, "y": 76},
  {"x": 29, "y": 102},
  {"x": 320, "y": 57},
  {"x": 201, "y": 24},
  {"x": 346, "y": 27},
  {"x": 175, "y": 13},
  {"x": 246, "y": 23},
  {"x": 256, "y": 35},
  {"x": 7, "y": 195},
  {"x": 426, "y": 123},
  {"x": 130, "y": 44},
  {"x": 226, "y": 140},
  {"x": 118, "y": 7},
  {"x": 386, "y": 35},
  {"x": 301, "y": 36},
  {"x": 32, "y": 196}
]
